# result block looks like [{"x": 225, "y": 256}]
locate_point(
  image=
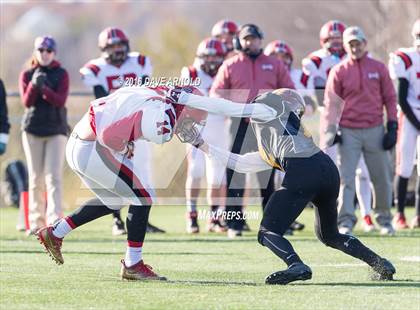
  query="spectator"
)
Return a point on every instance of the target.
[
  {"x": 241, "y": 78},
  {"x": 43, "y": 90},
  {"x": 364, "y": 85},
  {"x": 4, "y": 121}
]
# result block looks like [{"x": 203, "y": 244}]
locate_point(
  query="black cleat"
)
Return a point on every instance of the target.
[
  {"x": 118, "y": 228},
  {"x": 295, "y": 272},
  {"x": 153, "y": 229},
  {"x": 383, "y": 270},
  {"x": 297, "y": 226}
]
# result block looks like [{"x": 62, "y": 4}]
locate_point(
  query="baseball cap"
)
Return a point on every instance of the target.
[
  {"x": 46, "y": 42},
  {"x": 250, "y": 30},
  {"x": 353, "y": 33}
]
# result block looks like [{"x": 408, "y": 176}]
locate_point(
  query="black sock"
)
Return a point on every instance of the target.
[
  {"x": 137, "y": 219},
  {"x": 418, "y": 197},
  {"x": 402, "y": 184},
  {"x": 89, "y": 211},
  {"x": 116, "y": 214},
  {"x": 353, "y": 247},
  {"x": 279, "y": 246}
]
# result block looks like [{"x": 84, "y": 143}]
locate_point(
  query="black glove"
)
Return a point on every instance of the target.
[
  {"x": 39, "y": 78},
  {"x": 390, "y": 137}
]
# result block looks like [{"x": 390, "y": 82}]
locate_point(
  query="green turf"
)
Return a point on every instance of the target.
[{"x": 206, "y": 271}]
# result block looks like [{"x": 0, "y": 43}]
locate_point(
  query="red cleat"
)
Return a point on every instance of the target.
[
  {"x": 139, "y": 271},
  {"x": 51, "y": 243},
  {"x": 399, "y": 221},
  {"x": 367, "y": 224}
]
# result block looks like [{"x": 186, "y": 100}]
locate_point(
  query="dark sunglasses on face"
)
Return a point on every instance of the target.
[{"x": 41, "y": 50}]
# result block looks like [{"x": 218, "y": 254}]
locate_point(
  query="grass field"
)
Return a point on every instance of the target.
[{"x": 206, "y": 271}]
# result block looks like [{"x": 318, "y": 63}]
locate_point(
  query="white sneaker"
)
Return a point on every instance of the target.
[
  {"x": 233, "y": 233},
  {"x": 387, "y": 230},
  {"x": 367, "y": 224},
  {"x": 345, "y": 230}
]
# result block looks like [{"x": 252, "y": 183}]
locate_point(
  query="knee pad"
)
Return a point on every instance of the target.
[{"x": 260, "y": 235}]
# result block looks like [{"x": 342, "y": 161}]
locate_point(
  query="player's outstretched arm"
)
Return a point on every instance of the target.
[
  {"x": 227, "y": 107},
  {"x": 249, "y": 162}
]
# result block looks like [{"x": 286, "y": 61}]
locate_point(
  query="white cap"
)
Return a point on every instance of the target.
[{"x": 353, "y": 33}]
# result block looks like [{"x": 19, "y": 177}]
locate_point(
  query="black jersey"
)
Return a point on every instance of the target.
[{"x": 283, "y": 137}]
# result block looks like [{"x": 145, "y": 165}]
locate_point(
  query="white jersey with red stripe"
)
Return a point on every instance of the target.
[
  {"x": 405, "y": 63},
  {"x": 132, "y": 113},
  {"x": 319, "y": 63},
  {"x": 99, "y": 72},
  {"x": 303, "y": 82}
]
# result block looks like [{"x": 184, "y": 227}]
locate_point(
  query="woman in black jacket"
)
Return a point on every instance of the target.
[{"x": 43, "y": 90}]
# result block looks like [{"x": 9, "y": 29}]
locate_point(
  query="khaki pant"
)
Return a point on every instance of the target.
[
  {"x": 369, "y": 143},
  {"x": 45, "y": 158}
]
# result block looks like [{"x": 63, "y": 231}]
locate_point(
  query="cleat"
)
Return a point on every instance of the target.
[
  {"x": 383, "y": 270},
  {"x": 297, "y": 226},
  {"x": 295, "y": 272},
  {"x": 51, "y": 243},
  {"x": 153, "y": 229},
  {"x": 288, "y": 232},
  {"x": 139, "y": 271},
  {"x": 246, "y": 227},
  {"x": 387, "y": 230},
  {"x": 118, "y": 228},
  {"x": 233, "y": 233},
  {"x": 415, "y": 222},
  {"x": 399, "y": 222},
  {"x": 216, "y": 225},
  {"x": 192, "y": 223},
  {"x": 344, "y": 230},
  {"x": 367, "y": 224}
]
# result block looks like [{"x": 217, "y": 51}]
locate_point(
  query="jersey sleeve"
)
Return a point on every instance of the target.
[
  {"x": 148, "y": 68},
  {"x": 249, "y": 162},
  {"x": 89, "y": 73},
  {"x": 397, "y": 67},
  {"x": 185, "y": 73},
  {"x": 227, "y": 107},
  {"x": 309, "y": 67}
]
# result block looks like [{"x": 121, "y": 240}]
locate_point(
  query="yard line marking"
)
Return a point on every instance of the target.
[{"x": 415, "y": 259}]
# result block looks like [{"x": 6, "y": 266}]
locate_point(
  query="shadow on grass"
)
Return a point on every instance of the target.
[
  {"x": 204, "y": 282},
  {"x": 396, "y": 283}
]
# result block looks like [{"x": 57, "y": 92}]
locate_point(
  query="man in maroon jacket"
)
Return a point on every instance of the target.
[
  {"x": 241, "y": 78},
  {"x": 365, "y": 86}
]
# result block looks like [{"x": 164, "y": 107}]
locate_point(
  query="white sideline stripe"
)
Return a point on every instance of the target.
[{"x": 411, "y": 259}]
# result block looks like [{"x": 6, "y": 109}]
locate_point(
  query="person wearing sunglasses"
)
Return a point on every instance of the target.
[{"x": 43, "y": 90}]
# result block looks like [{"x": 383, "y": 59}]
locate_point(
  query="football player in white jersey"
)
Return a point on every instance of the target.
[
  {"x": 100, "y": 152},
  {"x": 317, "y": 66},
  {"x": 209, "y": 57},
  {"x": 404, "y": 67},
  {"x": 225, "y": 31},
  {"x": 107, "y": 73}
]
